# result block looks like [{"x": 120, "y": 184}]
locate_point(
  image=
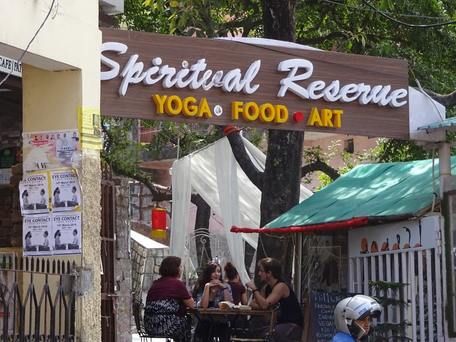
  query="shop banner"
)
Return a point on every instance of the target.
[
  {"x": 401, "y": 235},
  {"x": 34, "y": 195},
  {"x": 67, "y": 233},
  {"x": 66, "y": 192},
  {"x": 37, "y": 233},
  {"x": 277, "y": 86},
  {"x": 51, "y": 150}
]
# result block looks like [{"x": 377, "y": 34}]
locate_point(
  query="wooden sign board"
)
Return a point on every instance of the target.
[{"x": 223, "y": 82}]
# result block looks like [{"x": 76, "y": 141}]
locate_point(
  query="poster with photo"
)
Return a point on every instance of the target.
[
  {"x": 37, "y": 235},
  {"x": 33, "y": 194},
  {"x": 66, "y": 233},
  {"x": 51, "y": 150},
  {"x": 65, "y": 191}
]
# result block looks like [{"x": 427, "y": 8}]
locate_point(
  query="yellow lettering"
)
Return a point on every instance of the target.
[
  {"x": 159, "y": 102},
  {"x": 281, "y": 114},
  {"x": 251, "y": 111},
  {"x": 190, "y": 109},
  {"x": 204, "y": 109},
  {"x": 236, "y": 107},
  {"x": 337, "y": 117},
  {"x": 173, "y": 105},
  {"x": 314, "y": 118},
  {"x": 267, "y": 112},
  {"x": 326, "y": 116}
]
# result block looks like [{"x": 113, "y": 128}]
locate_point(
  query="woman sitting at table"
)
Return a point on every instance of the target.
[
  {"x": 209, "y": 291},
  {"x": 289, "y": 316},
  {"x": 166, "y": 303},
  {"x": 238, "y": 290}
]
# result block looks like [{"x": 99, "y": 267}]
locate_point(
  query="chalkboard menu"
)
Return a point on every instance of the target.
[{"x": 322, "y": 305}]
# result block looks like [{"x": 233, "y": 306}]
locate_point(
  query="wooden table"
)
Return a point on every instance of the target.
[{"x": 232, "y": 315}]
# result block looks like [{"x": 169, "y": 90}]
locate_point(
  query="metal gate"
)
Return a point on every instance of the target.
[
  {"x": 420, "y": 273},
  {"x": 37, "y": 299}
]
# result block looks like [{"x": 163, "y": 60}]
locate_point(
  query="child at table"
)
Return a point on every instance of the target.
[
  {"x": 238, "y": 290},
  {"x": 209, "y": 291}
]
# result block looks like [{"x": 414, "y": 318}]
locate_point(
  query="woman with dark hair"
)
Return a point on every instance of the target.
[
  {"x": 209, "y": 291},
  {"x": 166, "y": 303},
  {"x": 57, "y": 242},
  {"x": 238, "y": 290},
  {"x": 28, "y": 241},
  {"x": 25, "y": 200},
  {"x": 57, "y": 201}
]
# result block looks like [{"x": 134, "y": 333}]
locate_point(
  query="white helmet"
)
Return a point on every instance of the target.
[{"x": 351, "y": 309}]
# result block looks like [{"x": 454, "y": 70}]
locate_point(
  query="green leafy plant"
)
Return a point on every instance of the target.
[{"x": 388, "y": 331}]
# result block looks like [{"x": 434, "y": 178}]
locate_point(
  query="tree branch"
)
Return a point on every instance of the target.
[
  {"x": 448, "y": 100},
  {"x": 159, "y": 192},
  {"x": 317, "y": 40},
  {"x": 243, "y": 159},
  {"x": 318, "y": 165}
]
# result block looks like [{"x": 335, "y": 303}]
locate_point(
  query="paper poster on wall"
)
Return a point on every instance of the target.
[
  {"x": 67, "y": 233},
  {"x": 33, "y": 194},
  {"x": 51, "y": 150},
  {"x": 37, "y": 233},
  {"x": 401, "y": 235},
  {"x": 65, "y": 190}
]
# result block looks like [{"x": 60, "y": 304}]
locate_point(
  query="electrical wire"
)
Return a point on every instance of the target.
[
  {"x": 30, "y": 42},
  {"x": 387, "y": 16}
]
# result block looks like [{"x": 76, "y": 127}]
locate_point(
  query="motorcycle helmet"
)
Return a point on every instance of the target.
[{"x": 351, "y": 309}]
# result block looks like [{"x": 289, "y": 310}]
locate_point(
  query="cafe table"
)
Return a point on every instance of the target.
[{"x": 233, "y": 315}]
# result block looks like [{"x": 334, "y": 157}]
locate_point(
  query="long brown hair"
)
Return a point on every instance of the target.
[{"x": 205, "y": 277}]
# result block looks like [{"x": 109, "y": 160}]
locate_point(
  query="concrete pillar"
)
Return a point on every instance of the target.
[
  {"x": 444, "y": 167},
  {"x": 122, "y": 264}
]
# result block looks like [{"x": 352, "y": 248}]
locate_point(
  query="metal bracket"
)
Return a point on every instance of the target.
[{"x": 84, "y": 281}]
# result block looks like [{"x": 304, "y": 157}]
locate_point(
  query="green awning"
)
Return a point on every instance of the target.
[
  {"x": 446, "y": 124},
  {"x": 368, "y": 193}
]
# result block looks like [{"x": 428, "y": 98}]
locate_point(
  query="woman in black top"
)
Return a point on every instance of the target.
[{"x": 289, "y": 318}]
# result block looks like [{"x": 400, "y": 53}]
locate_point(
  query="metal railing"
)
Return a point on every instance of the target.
[{"x": 37, "y": 299}]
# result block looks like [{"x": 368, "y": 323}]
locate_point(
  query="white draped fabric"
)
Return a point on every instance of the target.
[
  {"x": 181, "y": 192},
  {"x": 214, "y": 174},
  {"x": 227, "y": 182}
]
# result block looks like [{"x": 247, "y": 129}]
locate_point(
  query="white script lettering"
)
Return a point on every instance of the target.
[
  {"x": 194, "y": 76},
  {"x": 332, "y": 92}
]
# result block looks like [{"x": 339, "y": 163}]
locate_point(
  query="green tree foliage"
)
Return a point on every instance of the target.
[
  {"x": 201, "y": 18},
  {"x": 360, "y": 27},
  {"x": 354, "y": 26}
]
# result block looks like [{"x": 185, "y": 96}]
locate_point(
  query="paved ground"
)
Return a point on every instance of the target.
[{"x": 136, "y": 338}]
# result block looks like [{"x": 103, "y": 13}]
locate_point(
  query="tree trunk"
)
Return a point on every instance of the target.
[
  {"x": 202, "y": 240},
  {"x": 281, "y": 185},
  {"x": 282, "y": 172}
]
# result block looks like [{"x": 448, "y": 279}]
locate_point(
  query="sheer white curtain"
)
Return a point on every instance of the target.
[
  {"x": 227, "y": 182},
  {"x": 214, "y": 173},
  {"x": 181, "y": 192}
]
